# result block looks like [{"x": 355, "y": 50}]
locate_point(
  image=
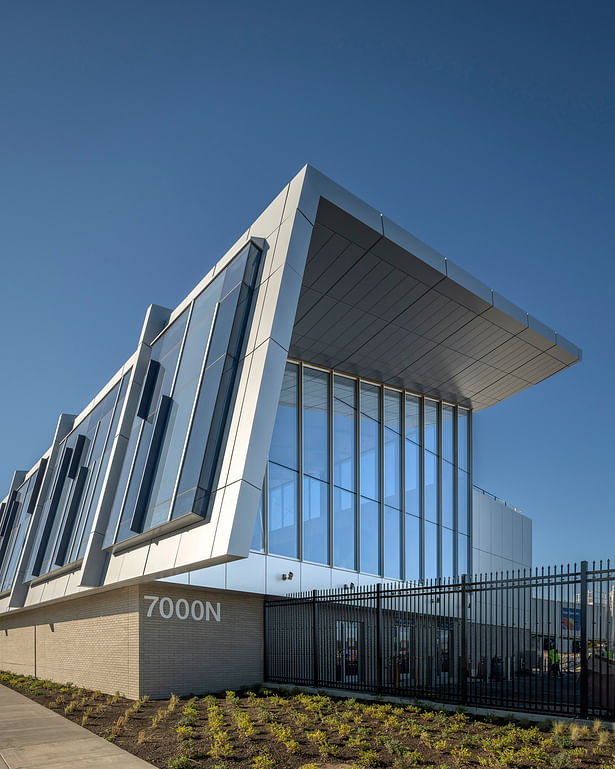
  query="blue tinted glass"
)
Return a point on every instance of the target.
[
  {"x": 413, "y": 478},
  {"x": 200, "y": 427},
  {"x": 413, "y": 548},
  {"x": 431, "y": 426},
  {"x": 170, "y": 338},
  {"x": 258, "y": 537},
  {"x": 79, "y": 547},
  {"x": 206, "y": 302},
  {"x": 370, "y": 536},
  {"x": 145, "y": 436},
  {"x": 392, "y": 410},
  {"x": 316, "y": 423},
  {"x": 170, "y": 455},
  {"x": 17, "y": 534},
  {"x": 195, "y": 347},
  {"x": 285, "y": 442},
  {"x": 344, "y": 529},
  {"x": 370, "y": 441},
  {"x": 315, "y": 520},
  {"x": 62, "y": 486},
  {"x": 282, "y": 509},
  {"x": 431, "y": 487},
  {"x": 392, "y": 468},
  {"x": 463, "y": 420},
  {"x": 219, "y": 342},
  {"x": 448, "y": 444},
  {"x": 431, "y": 550},
  {"x": 97, "y": 460},
  {"x": 462, "y": 554},
  {"x": 122, "y": 483},
  {"x": 447, "y": 553},
  {"x": 344, "y": 432},
  {"x": 233, "y": 272},
  {"x": 413, "y": 419},
  {"x": 462, "y": 503},
  {"x": 392, "y": 543},
  {"x": 448, "y": 494}
]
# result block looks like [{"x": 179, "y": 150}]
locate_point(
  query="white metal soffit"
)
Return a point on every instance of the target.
[{"x": 381, "y": 304}]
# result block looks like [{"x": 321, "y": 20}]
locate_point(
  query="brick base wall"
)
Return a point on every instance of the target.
[
  {"x": 193, "y": 654},
  {"x": 183, "y": 639},
  {"x": 92, "y": 641}
]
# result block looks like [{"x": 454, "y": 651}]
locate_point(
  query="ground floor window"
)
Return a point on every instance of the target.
[{"x": 348, "y": 651}]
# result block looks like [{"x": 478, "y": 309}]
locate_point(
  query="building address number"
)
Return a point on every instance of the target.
[{"x": 182, "y": 609}]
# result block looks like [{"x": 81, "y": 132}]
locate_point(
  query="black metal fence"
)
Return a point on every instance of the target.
[{"x": 538, "y": 641}]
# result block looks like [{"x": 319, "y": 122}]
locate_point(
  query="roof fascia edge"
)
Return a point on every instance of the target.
[{"x": 315, "y": 185}]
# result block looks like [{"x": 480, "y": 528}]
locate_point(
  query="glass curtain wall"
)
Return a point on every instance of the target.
[{"x": 366, "y": 477}]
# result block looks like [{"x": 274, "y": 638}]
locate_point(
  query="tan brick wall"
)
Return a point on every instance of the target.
[
  {"x": 92, "y": 641},
  {"x": 190, "y": 656},
  {"x": 17, "y": 649},
  {"x": 106, "y": 641}
]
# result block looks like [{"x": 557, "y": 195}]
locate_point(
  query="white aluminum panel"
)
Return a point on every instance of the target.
[
  {"x": 271, "y": 218},
  {"x": 239, "y": 506},
  {"x": 247, "y": 574},
  {"x": 368, "y": 579},
  {"x": 341, "y": 577},
  {"x": 213, "y": 576},
  {"x": 314, "y": 577},
  {"x": 161, "y": 555},
  {"x": 527, "y": 542},
  {"x": 133, "y": 562},
  {"x": 276, "y": 567},
  {"x": 113, "y": 568},
  {"x": 55, "y": 588},
  {"x": 517, "y": 538},
  {"x": 507, "y": 533},
  {"x": 292, "y": 244},
  {"x": 35, "y": 595}
]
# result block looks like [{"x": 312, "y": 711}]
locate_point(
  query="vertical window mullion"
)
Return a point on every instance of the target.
[
  {"x": 357, "y": 475},
  {"x": 439, "y": 485},
  {"x": 455, "y": 492},
  {"x": 330, "y": 469},
  {"x": 300, "y": 462},
  {"x": 422, "y": 489},
  {"x": 265, "y": 522},
  {"x": 381, "y": 526},
  {"x": 470, "y": 495},
  {"x": 402, "y": 480}
]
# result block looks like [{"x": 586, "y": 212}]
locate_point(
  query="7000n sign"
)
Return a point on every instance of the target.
[{"x": 182, "y": 609}]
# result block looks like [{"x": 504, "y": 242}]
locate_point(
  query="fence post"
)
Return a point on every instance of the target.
[
  {"x": 583, "y": 675},
  {"x": 265, "y": 644},
  {"x": 379, "y": 638},
  {"x": 464, "y": 645},
  {"x": 315, "y": 634}
]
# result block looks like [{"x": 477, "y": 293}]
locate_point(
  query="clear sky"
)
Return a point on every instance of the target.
[{"x": 139, "y": 139}]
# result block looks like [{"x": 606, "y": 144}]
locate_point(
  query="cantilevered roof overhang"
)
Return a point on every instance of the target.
[{"x": 377, "y": 302}]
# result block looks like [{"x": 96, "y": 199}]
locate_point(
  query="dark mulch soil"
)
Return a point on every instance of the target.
[{"x": 274, "y": 730}]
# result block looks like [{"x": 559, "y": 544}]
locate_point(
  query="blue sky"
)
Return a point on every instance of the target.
[{"x": 139, "y": 139}]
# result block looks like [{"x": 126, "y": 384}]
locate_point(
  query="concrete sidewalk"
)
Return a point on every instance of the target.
[{"x": 34, "y": 737}]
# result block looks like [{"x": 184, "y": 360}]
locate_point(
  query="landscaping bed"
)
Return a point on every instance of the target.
[{"x": 292, "y": 730}]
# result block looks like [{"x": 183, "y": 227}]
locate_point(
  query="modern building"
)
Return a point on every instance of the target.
[{"x": 303, "y": 419}]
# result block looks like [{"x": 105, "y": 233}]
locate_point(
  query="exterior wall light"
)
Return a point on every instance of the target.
[{"x": 289, "y": 576}]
